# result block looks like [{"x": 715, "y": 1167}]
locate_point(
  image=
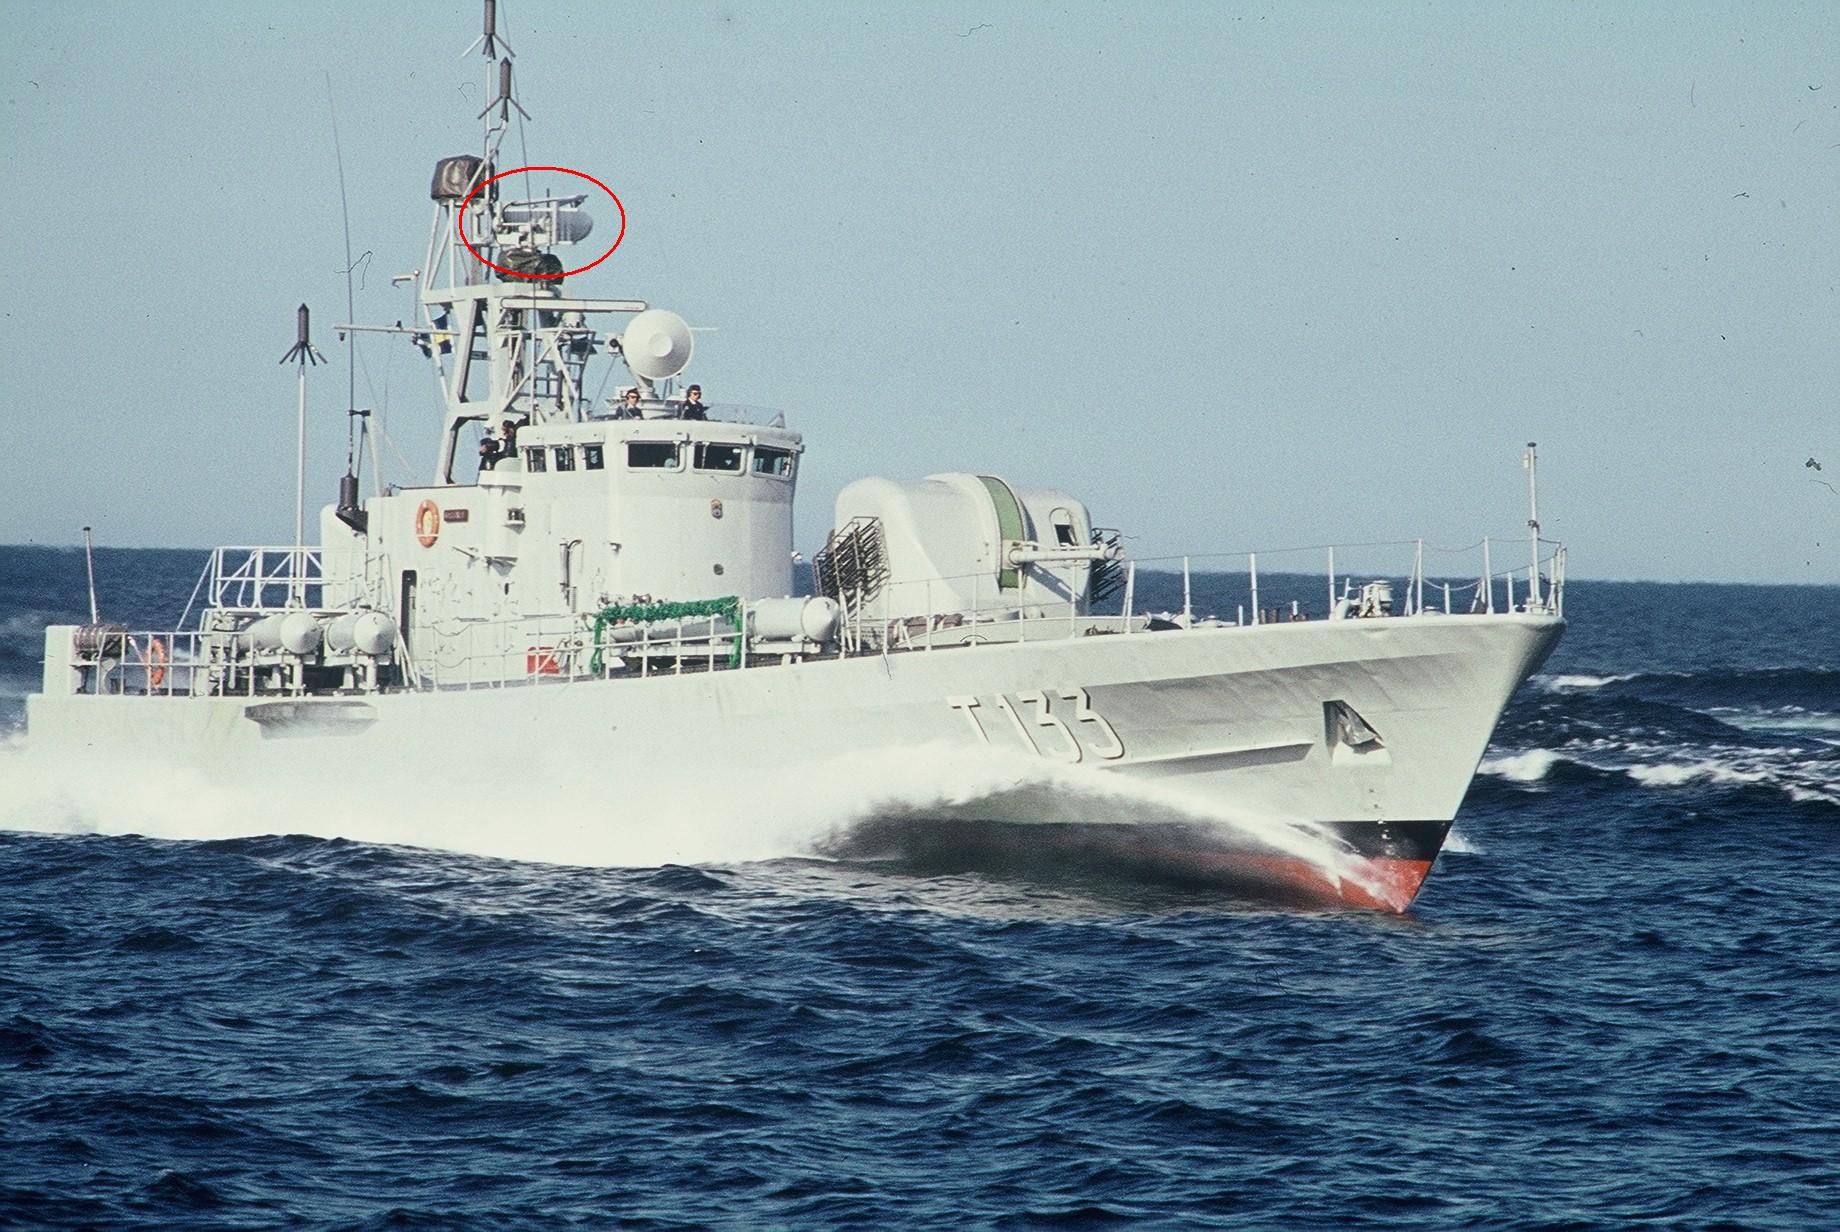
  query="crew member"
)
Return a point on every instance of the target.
[
  {"x": 629, "y": 405},
  {"x": 490, "y": 450},
  {"x": 693, "y": 403}
]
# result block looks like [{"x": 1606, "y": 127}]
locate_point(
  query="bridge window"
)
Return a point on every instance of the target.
[
  {"x": 534, "y": 458},
  {"x": 565, "y": 457},
  {"x": 592, "y": 457},
  {"x": 713, "y": 457},
  {"x": 774, "y": 462},
  {"x": 652, "y": 455}
]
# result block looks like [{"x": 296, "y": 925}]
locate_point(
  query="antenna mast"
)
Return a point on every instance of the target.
[
  {"x": 303, "y": 354},
  {"x": 350, "y": 511},
  {"x": 351, "y": 311},
  {"x": 490, "y": 45},
  {"x": 89, "y": 560},
  {"x": 1531, "y": 461}
]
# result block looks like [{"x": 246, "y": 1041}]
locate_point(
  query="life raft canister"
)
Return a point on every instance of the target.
[{"x": 427, "y": 523}]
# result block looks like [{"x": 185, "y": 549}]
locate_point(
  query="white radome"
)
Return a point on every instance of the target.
[{"x": 657, "y": 344}]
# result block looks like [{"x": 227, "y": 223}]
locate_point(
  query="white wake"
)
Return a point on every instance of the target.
[{"x": 563, "y": 804}]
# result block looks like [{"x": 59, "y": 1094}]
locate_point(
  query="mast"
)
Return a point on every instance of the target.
[
  {"x": 501, "y": 350},
  {"x": 505, "y": 341},
  {"x": 1531, "y": 461},
  {"x": 304, "y": 356},
  {"x": 89, "y": 562}
]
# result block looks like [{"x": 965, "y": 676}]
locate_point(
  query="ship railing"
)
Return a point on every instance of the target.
[
  {"x": 1414, "y": 578},
  {"x": 743, "y": 413},
  {"x": 482, "y": 654},
  {"x": 258, "y": 579},
  {"x": 490, "y": 654},
  {"x": 148, "y": 663},
  {"x": 117, "y": 662},
  {"x": 672, "y": 408},
  {"x": 1424, "y": 578},
  {"x": 463, "y": 655}
]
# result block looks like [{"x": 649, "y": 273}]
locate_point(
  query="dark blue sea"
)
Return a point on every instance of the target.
[{"x": 1616, "y": 1002}]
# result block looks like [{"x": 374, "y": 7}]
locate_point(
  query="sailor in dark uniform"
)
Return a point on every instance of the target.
[{"x": 693, "y": 403}]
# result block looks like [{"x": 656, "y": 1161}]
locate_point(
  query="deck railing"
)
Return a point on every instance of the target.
[
  {"x": 255, "y": 579},
  {"x": 454, "y": 654},
  {"x": 1459, "y": 581},
  {"x": 163, "y": 663}
]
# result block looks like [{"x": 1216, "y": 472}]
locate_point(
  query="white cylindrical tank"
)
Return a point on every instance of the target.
[
  {"x": 339, "y": 630},
  {"x": 301, "y": 633},
  {"x": 370, "y": 633},
  {"x": 374, "y": 634},
  {"x": 659, "y": 632},
  {"x": 795, "y": 620},
  {"x": 820, "y": 619},
  {"x": 264, "y": 635}
]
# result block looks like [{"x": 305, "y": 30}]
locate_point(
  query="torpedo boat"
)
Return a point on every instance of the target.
[{"x": 626, "y": 568}]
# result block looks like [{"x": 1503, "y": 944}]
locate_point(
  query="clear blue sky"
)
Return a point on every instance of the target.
[{"x": 1238, "y": 276}]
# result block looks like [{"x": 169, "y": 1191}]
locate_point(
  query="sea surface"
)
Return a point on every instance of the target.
[{"x": 1616, "y": 1002}]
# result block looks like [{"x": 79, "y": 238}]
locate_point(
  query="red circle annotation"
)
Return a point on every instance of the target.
[{"x": 460, "y": 222}]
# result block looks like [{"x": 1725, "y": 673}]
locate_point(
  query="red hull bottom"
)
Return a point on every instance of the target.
[{"x": 1376, "y": 866}]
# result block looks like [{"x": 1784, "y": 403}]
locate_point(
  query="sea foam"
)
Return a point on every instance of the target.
[
  {"x": 561, "y": 804},
  {"x": 1529, "y": 767}
]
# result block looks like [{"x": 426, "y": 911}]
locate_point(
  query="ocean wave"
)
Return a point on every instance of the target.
[
  {"x": 22, "y": 636},
  {"x": 1531, "y": 766},
  {"x": 1787, "y": 719},
  {"x": 1459, "y": 841},
  {"x": 1814, "y": 689},
  {"x": 1779, "y": 716},
  {"x": 1801, "y": 775},
  {"x": 1676, "y": 774},
  {"x": 1576, "y": 683}
]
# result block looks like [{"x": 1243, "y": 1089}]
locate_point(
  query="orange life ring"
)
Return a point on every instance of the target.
[
  {"x": 156, "y": 663},
  {"x": 427, "y": 523}
]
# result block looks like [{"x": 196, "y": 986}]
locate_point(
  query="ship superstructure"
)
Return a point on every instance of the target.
[{"x": 626, "y": 564}]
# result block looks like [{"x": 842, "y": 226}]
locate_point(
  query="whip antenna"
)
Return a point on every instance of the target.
[
  {"x": 351, "y": 312},
  {"x": 348, "y": 508},
  {"x": 89, "y": 561}
]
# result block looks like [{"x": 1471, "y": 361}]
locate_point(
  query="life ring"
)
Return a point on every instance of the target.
[
  {"x": 427, "y": 523},
  {"x": 156, "y": 663}
]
